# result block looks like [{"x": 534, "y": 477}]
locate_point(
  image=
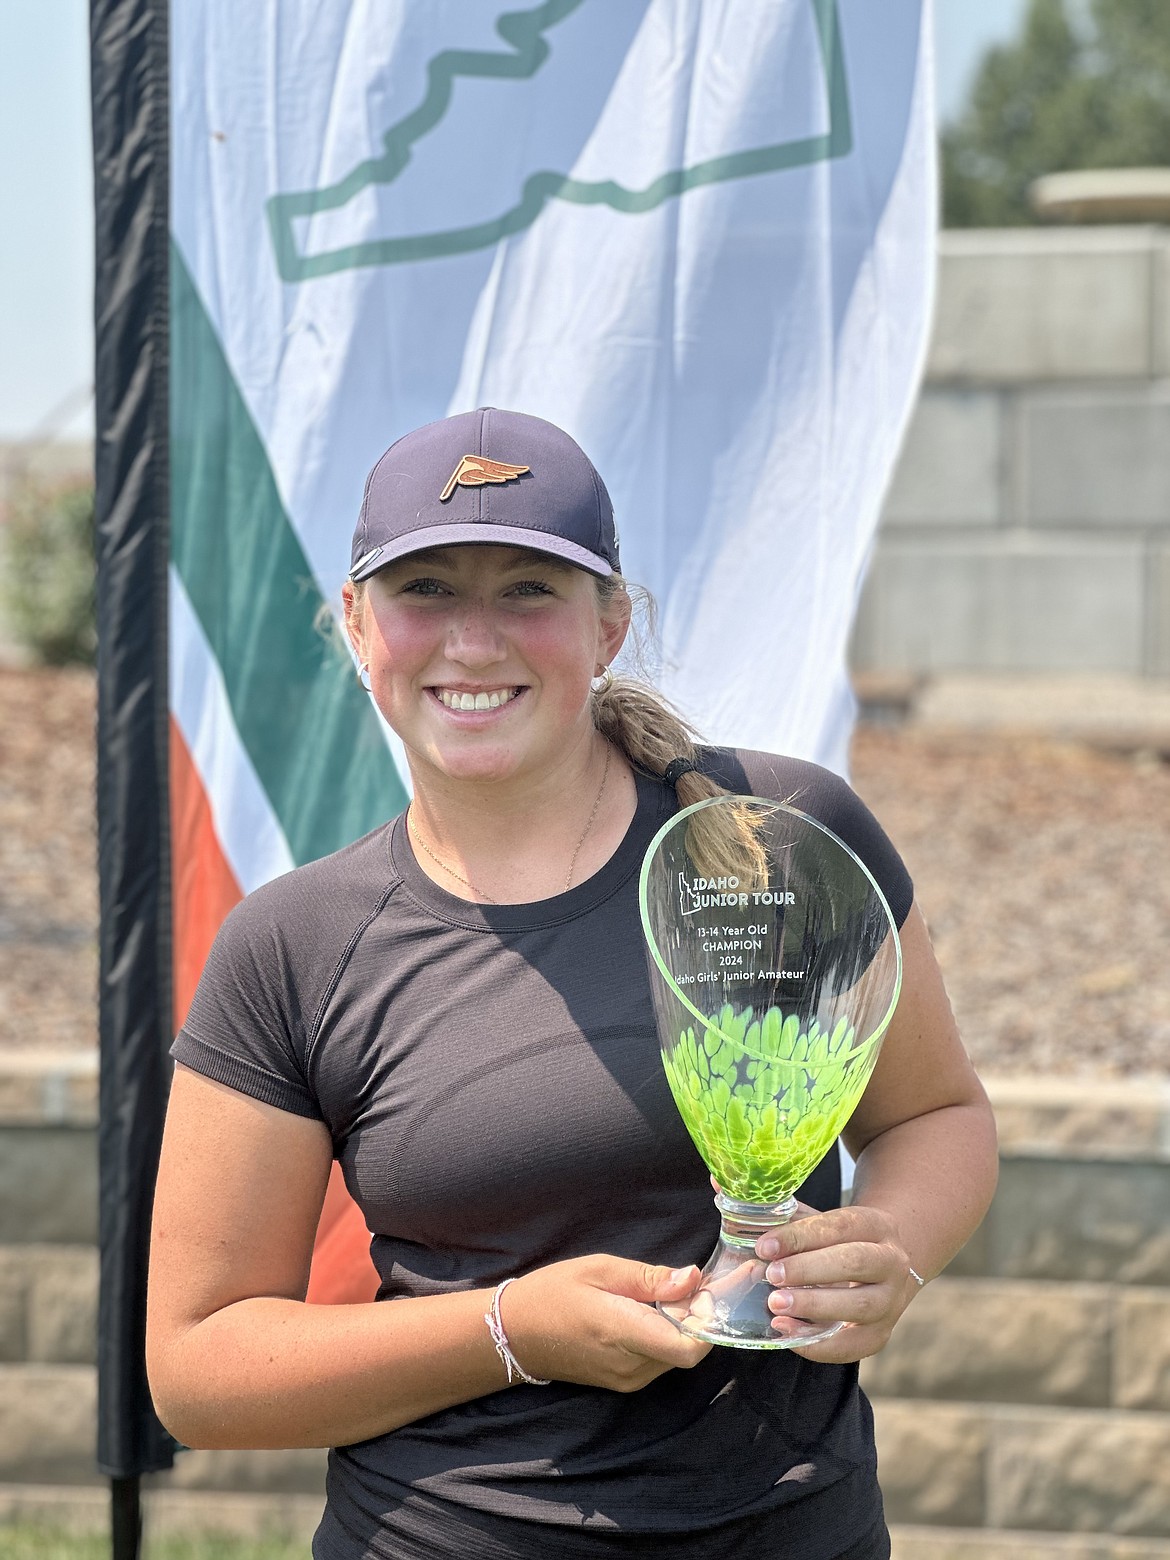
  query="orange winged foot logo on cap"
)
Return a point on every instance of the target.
[{"x": 477, "y": 470}]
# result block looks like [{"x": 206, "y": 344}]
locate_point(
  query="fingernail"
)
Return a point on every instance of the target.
[
  {"x": 680, "y": 1275},
  {"x": 774, "y": 1272},
  {"x": 780, "y": 1300},
  {"x": 768, "y": 1246}
]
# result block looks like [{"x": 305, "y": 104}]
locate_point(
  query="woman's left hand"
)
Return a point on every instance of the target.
[
  {"x": 923, "y": 1141},
  {"x": 843, "y": 1265}
]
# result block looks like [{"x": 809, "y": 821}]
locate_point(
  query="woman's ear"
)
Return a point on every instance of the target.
[
  {"x": 615, "y": 625},
  {"x": 352, "y": 604}
]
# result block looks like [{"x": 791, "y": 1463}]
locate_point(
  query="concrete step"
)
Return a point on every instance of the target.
[
  {"x": 1059, "y": 1215},
  {"x": 1093, "y": 1210},
  {"x": 1085, "y": 1172},
  {"x": 48, "y": 1435},
  {"x": 942, "y": 1463},
  {"x": 1024, "y": 1341},
  {"x": 300, "y": 1471},
  {"x": 986, "y": 1340},
  {"x": 86, "y": 1509},
  {"x": 975, "y": 1465},
  {"x": 48, "y": 1424},
  {"x": 1119, "y": 1118},
  {"x": 48, "y": 1184},
  {"x": 48, "y": 1304},
  {"x": 923, "y": 1543}
]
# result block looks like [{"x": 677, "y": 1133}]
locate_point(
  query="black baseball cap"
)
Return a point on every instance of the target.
[{"x": 486, "y": 476}]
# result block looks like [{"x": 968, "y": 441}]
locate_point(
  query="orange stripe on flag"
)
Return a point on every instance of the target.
[
  {"x": 203, "y": 886},
  {"x": 342, "y": 1272},
  {"x": 203, "y": 889}
]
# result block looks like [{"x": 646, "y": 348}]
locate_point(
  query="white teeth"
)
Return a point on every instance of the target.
[{"x": 474, "y": 701}]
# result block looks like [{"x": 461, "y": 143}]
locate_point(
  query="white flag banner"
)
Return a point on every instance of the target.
[{"x": 697, "y": 234}]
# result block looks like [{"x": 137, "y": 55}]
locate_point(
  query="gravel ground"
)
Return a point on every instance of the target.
[
  {"x": 1041, "y": 866},
  {"x": 48, "y": 863},
  {"x": 1041, "y": 869}
]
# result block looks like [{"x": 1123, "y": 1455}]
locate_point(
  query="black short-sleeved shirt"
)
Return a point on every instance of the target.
[{"x": 491, "y": 1079}]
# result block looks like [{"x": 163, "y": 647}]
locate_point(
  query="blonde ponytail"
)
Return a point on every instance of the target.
[{"x": 721, "y": 841}]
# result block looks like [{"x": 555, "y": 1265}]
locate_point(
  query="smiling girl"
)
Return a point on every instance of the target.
[{"x": 457, "y": 1008}]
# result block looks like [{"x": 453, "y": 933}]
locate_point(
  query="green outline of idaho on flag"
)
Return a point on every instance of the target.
[{"x": 524, "y": 32}]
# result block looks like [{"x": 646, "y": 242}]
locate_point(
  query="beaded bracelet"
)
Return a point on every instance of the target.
[{"x": 509, "y": 1361}]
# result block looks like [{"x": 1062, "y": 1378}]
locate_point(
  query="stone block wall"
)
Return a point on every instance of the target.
[
  {"x": 1023, "y": 1404},
  {"x": 1028, "y": 525},
  {"x": 1022, "y": 1407}
]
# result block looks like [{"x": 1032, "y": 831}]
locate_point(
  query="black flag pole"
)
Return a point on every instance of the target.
[{"x": 129, "y": 67}]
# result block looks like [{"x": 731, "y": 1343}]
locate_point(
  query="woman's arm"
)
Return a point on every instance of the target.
[
  {"x": 924, "y": 1140},
  {"x": 236, "y": 1358}
]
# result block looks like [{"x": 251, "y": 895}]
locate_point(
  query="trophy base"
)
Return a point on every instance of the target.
[{"x": 730, "y": 1305}]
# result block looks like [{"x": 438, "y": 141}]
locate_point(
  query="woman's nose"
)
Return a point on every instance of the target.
[{"x": 474, "y": 638}]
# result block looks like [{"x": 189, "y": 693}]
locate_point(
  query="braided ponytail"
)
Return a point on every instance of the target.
[{"x": 721, "y": 841}]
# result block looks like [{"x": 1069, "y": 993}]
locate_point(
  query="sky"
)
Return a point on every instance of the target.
[{"x": 46, "y": 196}]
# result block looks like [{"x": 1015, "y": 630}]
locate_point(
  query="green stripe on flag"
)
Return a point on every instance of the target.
[{"x": 302, "y": 716}]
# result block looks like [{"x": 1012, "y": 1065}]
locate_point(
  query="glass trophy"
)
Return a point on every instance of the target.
[{"x": 775, "y": 968}]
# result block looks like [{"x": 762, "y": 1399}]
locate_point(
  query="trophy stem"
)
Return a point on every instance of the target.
[{"x": 730, "y": 1304}]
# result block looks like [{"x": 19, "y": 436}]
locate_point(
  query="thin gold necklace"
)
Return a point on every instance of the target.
[{"x": 458, "y": 876}]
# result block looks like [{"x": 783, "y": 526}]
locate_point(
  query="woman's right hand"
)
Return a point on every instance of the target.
[{"x": 591, "y": 1320}]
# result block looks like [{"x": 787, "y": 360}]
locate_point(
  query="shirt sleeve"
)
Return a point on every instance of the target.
[
  {"x": 831, "y": 801},
  {"x": 243, "y": 1027}
]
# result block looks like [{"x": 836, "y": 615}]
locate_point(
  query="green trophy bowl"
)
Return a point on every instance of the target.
[{"x": 775, "y": 968}]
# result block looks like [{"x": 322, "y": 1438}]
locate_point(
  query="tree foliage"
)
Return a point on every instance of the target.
[{"x": 1089, "y": 89}]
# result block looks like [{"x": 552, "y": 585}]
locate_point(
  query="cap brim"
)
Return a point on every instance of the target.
[{"x": 485, "y": 534}]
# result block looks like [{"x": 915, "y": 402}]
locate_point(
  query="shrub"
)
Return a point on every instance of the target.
[{"x": 48, "y": 571}]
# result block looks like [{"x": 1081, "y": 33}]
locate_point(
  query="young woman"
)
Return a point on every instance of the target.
[{"x": 457, "y": 1008}]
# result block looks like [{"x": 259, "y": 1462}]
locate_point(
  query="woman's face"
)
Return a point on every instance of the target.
[{"x": 481, "y": 657}]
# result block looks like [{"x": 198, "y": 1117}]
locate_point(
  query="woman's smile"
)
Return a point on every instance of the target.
[
  {"x": 475, "y": 701},
  {"x": 481, "y": 657}
]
